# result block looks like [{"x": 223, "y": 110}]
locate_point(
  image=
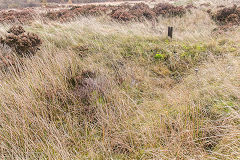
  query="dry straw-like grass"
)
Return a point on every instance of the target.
[{"x": 118, "y": 101}]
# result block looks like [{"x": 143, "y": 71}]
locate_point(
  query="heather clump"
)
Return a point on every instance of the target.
[
  {"x": 169, "y": 10},
  {"x": 13, "y": 16},
  {"x": 21, "y": 42},
  {"x": 138, "y": 12},
  {"x": 69, "y": 14},
  {"x": 227, "y": 15},
  {"x": 142, "y": 11},
  {"x": 124, "y": 12}
]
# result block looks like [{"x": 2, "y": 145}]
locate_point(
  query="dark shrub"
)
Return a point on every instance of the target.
[
  {"x": 122, "y": 15},
  {"x": 69, "y": 14},
  {"x": 168, "y": 10},
  {"x": 138, "y": 12},
  {"x": 124, "y": 12},
  {"x": 142, "y": 11},
  {"x": 12, "y": 16},
  {"x": 226, "y": 15},
  {"x": 16, "y": 30},
  {"x": 20, "y": 42}
]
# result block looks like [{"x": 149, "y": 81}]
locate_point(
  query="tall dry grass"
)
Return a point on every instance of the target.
[{"x": 132, "y": 112}]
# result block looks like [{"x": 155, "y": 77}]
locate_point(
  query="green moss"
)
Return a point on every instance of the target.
[
  {"x": 232, "y": 49},
  {"x": 223, "y": 107},
  {"x": 193, "y": 51},
  {"x": 161, "y": 54}
]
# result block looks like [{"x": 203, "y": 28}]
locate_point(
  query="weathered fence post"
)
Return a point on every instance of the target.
[{"x": 170, "y": 32}]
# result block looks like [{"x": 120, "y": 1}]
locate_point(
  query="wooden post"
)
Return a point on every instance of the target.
[{"x": 170, "y": 32}]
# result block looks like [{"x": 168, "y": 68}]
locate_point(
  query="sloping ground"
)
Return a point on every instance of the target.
[{"x": 100, "y": 89}]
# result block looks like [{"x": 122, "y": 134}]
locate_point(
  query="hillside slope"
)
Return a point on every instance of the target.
[{"x": 101, "y": 89}]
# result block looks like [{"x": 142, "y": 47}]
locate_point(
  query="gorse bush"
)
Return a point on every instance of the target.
[{"x": 21, "y": 42}]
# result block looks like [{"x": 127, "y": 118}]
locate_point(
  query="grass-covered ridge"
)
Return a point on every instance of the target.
[{"x": 123, "y": 91}]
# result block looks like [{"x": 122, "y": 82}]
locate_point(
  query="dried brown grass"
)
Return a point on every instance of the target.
[{"x": 109, "y": 104}]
